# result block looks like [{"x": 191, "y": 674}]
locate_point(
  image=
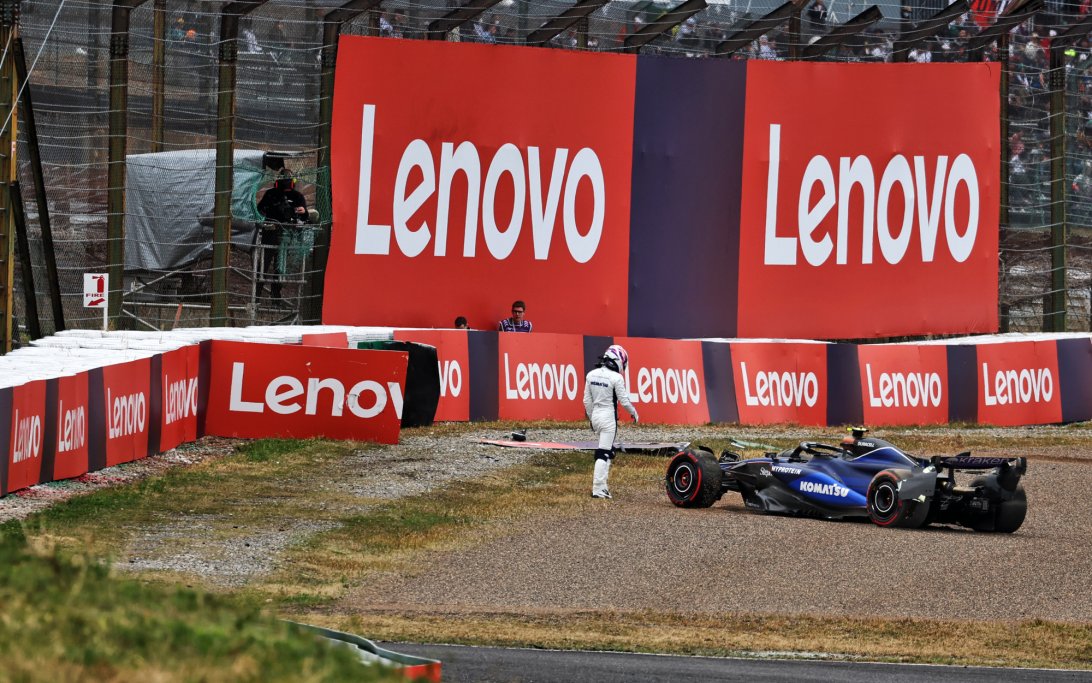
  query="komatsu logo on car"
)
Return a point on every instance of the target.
[
  {"x": 824, "y": 489},
  {"x": 787, "y": 470}
]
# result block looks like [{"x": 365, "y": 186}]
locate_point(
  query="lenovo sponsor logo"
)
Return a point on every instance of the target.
[
  {"x": 179, "y": 399},
  {"x": 28, "y": 438},
  {"x": 824, "y": 489},
  {"x": 128, "y": 414},
  {"x": 898, "y": 390},
  {"x": 71, "y": 428},
  {"x": 549, "y": 381},
  {"x": 451, "y": 377},
  {"x": 365, "y": 399},
  {"x": 922, "y": 204},
  {"x": 1027, "y": 385},
  {"x": 660, "y": 385},
  {"x": 793, "y": 389},
  {"x": 523, "y": 169}
]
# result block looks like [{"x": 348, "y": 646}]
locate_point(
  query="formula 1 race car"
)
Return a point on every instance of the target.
[{"x": 861, "y": 477}]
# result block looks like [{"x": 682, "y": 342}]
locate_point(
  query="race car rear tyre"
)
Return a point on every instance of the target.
[
  {"x": 1007, "y": 515},
  {"x": 693, "y": 479},
  {"x": 885, "y": 508}
]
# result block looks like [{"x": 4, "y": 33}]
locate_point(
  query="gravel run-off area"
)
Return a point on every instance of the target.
[{"x": 638, "y": 552}]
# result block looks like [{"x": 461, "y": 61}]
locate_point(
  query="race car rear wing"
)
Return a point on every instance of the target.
[
  {"x": 965, "y": 461},
  {"x": 1009, "y": 470}
]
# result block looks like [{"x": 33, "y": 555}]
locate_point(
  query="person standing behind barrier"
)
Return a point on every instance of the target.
[
  {"x": 604, "y": 389},
  {"x": 461, "y": 324},
  {"x": 516, "y": 323},
  {"x": 280, "y": 205}
]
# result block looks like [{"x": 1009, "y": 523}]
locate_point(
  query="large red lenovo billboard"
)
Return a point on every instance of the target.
[
  {"x": 179, "y": 376},
  {"x": 540, "y": 376},
  {"x": 457, "y": 166},
  {"x": 780, "y": 382},
  {"x": 73, "y": 426},
  {"x": 904, "y": 384},
  {"x": 861, "y": 217},
  {"x": 666, "y": 381},
  {"x": 453, "y": 357},
  {"x": 125, "y": 395},
  {"x": 1018, "y": 383},
  {"x": 27, "y": 437},
  {"x": 264, "y": 390}
]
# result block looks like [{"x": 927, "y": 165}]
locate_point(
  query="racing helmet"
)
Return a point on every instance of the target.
[{"x": 618, "y": 355}]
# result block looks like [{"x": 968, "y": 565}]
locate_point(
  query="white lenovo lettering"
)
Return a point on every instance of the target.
[
  {"x": 451, "y": 377},
  {"x": 128, "y": 414},
  {"x": 534, "y": 381},
  {"x": 921, "y": 207},
  {"x": 71, "y": 428},
  {"x": 507, "y": 166},
  {"x": 1027, "y": 385},
  {"x": 28, "y": 438},
  {"x": 179, "y": 399},
  {"x": 281, "y": 394},
  {"x": 904, "y": 390},
  {"x": 670, "y": 385},
  {"x": 780, "y": 389}
]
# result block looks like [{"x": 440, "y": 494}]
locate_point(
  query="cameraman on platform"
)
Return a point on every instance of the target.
[{"x": 281, "y": 205}]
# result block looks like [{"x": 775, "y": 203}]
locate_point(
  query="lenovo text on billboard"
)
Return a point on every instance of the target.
[
  {"x": 263, "y": 390},
  {"x": 860, "y": 216},
  {"x": 438, "y": 191},
  {"x": 453, "y": 357},
  {"x": 904, "y": 384},
  {"x": 780, "y": 382}
]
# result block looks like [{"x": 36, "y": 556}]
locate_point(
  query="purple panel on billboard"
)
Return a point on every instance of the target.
[
  {"x": 720, "y": 384},
  {"x": 482, "y": 359},
  {"x": 962, "y": 383},
  {"x": 1075, "y": 378},
  {"x": 845, "y": 405},
  {"x": 684, "y": 216}
]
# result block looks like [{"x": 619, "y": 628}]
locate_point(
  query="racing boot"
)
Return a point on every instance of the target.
[{"x": 602, "y": 471}]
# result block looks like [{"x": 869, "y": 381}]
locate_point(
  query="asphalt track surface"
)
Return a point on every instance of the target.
[{"x": 463, "y": 664}]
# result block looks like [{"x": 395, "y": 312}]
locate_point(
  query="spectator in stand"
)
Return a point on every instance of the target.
[
  {"x": 516, "y": 323},
  {"x": 817, "y": 17},
  {"x": 461, "y": 324},
  {"x": 281, "y": 205}
]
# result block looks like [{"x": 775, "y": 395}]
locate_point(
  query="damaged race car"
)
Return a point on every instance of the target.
[{"x": 861, "y": 477}]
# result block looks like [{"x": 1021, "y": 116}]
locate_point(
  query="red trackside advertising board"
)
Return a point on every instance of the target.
[
  {"x": 125, "y": 389},
  {"x": 458, "y": 165},
  {"x": 178, "y": 417},
  {"x": 780, "y": 382},
  {"x": 904, "y": 384},
  {"x": 861, "y": 216},
  {"x": 265, "y": 390},
  {"x": 70, "y": 458},
  {"x": 27, "y": 435},
  {"x": 1018, "y": 383},
  {"x": 540, "y": 376},
  {"x": 453, "y": 357},
  {"x": 666, "y": 381}
]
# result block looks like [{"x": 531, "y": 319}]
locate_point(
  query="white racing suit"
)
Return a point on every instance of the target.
[{"x": 603, "y": 390}]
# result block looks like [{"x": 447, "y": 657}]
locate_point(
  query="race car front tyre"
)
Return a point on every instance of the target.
[
  {"x": 693, "y": 479},
  {"x": 885, "y": 508}
]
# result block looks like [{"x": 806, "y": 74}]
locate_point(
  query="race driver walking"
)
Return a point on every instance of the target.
[{"x": 604, "y": 388}]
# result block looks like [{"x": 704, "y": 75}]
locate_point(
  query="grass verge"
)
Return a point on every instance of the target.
[
  {"x": 285, "y": 479},
  {"x": 66, "y": 618}
]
